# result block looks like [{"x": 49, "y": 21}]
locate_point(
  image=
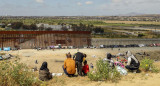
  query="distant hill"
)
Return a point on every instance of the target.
[
  {"x": 130, "y": 14},
  {"x": 150, "y": 15},
  {"x": 140, "y": 14}
]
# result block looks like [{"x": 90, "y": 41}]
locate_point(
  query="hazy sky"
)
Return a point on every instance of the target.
[{"x": 77, "y": 7}]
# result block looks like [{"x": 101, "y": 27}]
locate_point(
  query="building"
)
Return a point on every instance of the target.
[
  {"x": 54, "y": 27},
  {"x": 43, "y": 39}
]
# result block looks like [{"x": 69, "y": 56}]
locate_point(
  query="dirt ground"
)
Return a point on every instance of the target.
[{"x": 56, "y": 58}]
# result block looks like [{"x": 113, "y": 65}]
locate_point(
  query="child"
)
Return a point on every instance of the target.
[
  {"x": 85, "y": 69},
  {"x": 84, "y": 58}
]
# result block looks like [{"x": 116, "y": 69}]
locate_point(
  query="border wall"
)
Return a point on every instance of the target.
[{"x": 103, "y": 41}]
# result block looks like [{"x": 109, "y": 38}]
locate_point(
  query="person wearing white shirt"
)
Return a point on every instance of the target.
[{"x": 133, "y": 63}]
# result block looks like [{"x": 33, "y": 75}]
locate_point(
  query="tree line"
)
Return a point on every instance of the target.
[
  {"x": 73, "y": 27},
  {"x": 20, "y": 25}
]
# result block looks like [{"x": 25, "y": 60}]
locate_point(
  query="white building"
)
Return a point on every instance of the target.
[{"x": 54, "y": 27}]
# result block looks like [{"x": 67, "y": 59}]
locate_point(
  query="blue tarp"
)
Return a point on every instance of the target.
[
  {"x": 0, "y": 49},
  {"x": 6, "y": 48}
]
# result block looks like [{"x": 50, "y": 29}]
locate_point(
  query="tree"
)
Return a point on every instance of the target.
[
  {"x": 16, "y": 25},
  {"x": 49, "y": 29},
  {"x": 3, "y": 26},
  {"x": 74, "y": 27},
  {"x": 98, "y": 30},
  {"x": 33, "y": 27},
  {"x": 41, "y": 28},
  {"x": 140, "y": 35},
  {"x": 64, "y": 28},
  {"x": 26, "y": 27},
  {"x": 90, "y": 27}
]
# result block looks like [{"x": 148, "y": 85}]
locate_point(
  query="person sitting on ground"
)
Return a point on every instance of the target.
[
  {"x": 109, "y": 59},
  {"x": 79, "y": 59},
  {"x": 85, "y": 69},
  {"x": 44, "y": 73},
  {"x": 133, "y": 63},
  {"x": 69, "y": 66}
]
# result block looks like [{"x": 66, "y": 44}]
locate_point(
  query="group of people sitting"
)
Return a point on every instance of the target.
[
  {"x": 69, "y": 67},
  {"x": 70, "y": 64},
  {"x": 132, "y": 62}
]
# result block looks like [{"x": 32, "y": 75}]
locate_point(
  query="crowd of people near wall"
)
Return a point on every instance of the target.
[{"x": 79, "y": 59}]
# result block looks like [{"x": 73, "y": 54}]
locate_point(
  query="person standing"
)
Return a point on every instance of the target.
[{"x": 79, "y": 59}]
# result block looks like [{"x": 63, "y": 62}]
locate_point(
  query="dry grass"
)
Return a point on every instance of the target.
[
  {"x": 59, "y": 55},
  {"x": 133, "y": 22}
]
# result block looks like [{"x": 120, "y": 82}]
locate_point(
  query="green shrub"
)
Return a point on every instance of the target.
[
  {"x": 147, "y": 65},
  {"x": 17, "y": 74},
  {"x": 141, "y": 35},
  {"x": 103, "y": 72}
]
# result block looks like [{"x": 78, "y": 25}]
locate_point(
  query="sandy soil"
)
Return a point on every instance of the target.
[{"x": 55, "y": 61}]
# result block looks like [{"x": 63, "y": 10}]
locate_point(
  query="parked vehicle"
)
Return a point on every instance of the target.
[
  {"x": 102, "y": 46},
  {"x": 152, "y": 45},
  {"x": 56, "y": 47},
  {"x": 158, "y": 44},
  {"x": 92, "y": 47},
  {"x": 141, "y": 45}
]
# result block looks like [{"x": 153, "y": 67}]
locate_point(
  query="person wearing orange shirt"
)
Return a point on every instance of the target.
[{"x": 69, "y": 66}]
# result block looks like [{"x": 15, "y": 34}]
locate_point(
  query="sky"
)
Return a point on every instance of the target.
[{"x": 78, "y": 7}]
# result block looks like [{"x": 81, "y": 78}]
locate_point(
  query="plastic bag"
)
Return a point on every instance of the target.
[{"x": 121, "y": 70}]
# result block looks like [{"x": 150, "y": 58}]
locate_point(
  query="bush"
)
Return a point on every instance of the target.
[
  {"x": 141, "y": 35},
  {"x": 103, "y": 72},
  {"x": 17, "y": 74},
  {"x": 147, "y": 65}
]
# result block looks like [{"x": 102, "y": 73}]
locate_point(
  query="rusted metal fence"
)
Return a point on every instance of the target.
[{"x": 43, "y": 39}]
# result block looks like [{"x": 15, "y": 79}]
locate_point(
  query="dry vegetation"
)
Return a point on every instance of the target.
[{"x": 133, "y": 22}]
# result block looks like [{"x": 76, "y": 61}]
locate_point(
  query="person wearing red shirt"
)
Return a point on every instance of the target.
[{"x": 85, "y": 69}]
